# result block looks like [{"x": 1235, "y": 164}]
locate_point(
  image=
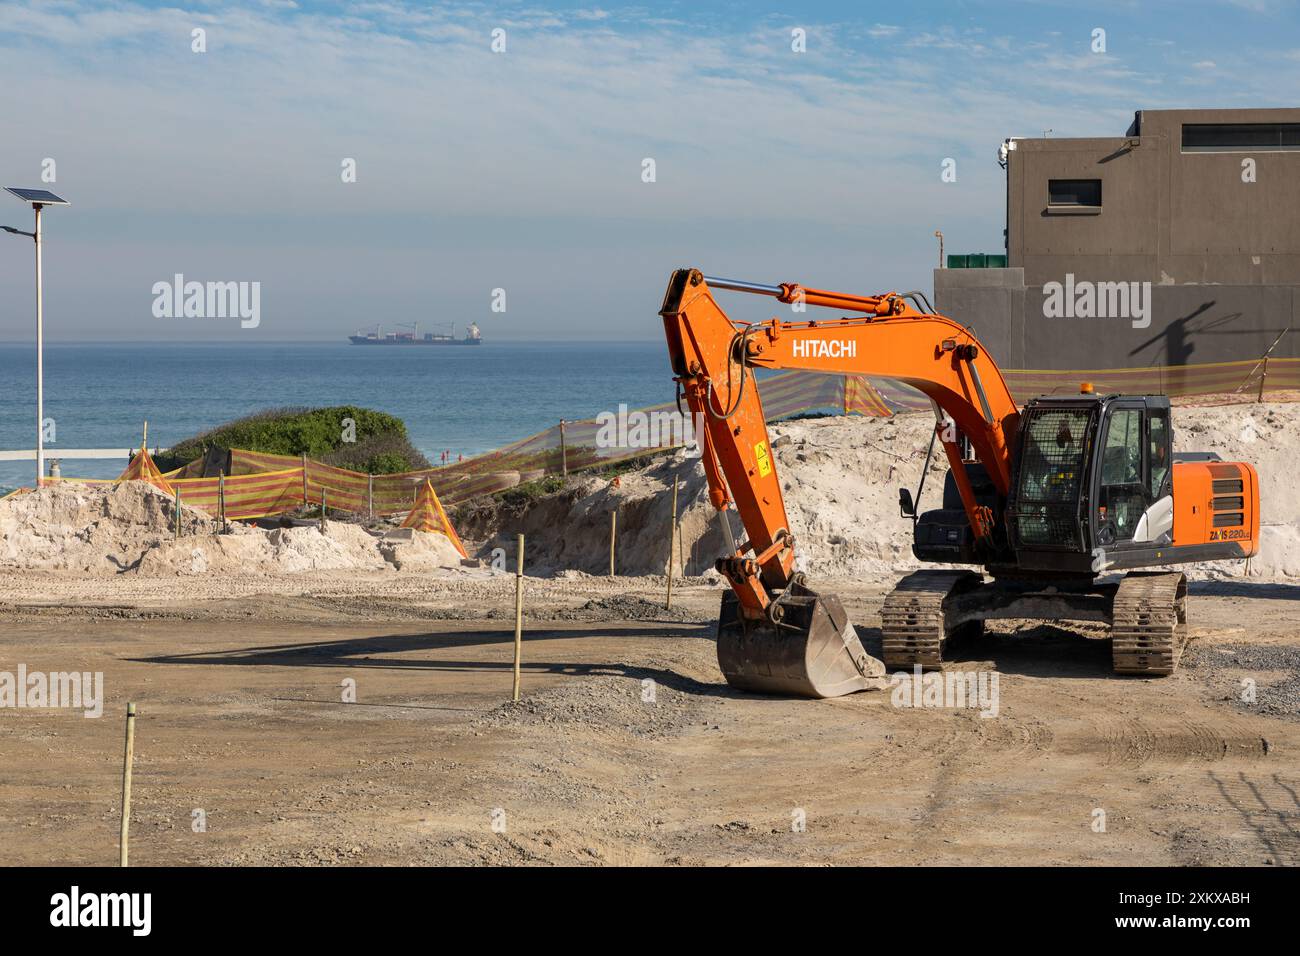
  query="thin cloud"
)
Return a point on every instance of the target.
[{"x": 478, "y": 170}]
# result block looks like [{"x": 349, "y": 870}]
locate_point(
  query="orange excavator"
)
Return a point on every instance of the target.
[{"x": 1044, "y": 500}]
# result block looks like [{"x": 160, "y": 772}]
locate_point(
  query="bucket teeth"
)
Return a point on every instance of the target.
[{"x": 813, "y": 652}]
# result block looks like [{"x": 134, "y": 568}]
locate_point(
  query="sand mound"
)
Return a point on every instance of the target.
[
  {"x": 129, "y": 527},
  {"x": 90, "y": 528},
  {"x": 637, "y": 702},
  {"x": 841, "y": 478},
  {"x": 282, "y": 550},
  {"x": 411, "y": 550}
]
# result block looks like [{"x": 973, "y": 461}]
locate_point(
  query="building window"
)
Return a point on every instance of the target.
[
  {"x": 1077, "y": 193},
  {"x": 1239, "y": 137}
]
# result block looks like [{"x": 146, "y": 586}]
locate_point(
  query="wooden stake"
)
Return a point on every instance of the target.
[
  {"x": 178, "y": 511},
  {"x": 304, "y": 479},
  {"x": 127, "y": 760},
  {"x": 681, "y": 548},
  {"x": 672, "y": 537},
  {"x": 519, "y": 610},
  {"x": 324, "y": 503},
  {"x": 1261, "y": 366},
  {"x": 221, "y": 502},
  {"x": 564, "y": 452},
  {"x": 370, "y": 496},
  {"x": 613, "y": 532}
]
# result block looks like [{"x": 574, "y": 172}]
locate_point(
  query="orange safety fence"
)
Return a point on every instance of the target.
[
  {"x": 427, "y": 515},
  {"x": 598, "y": 442},
  {"x": 1177, "y": 381},
  {"x": 262, "y": 484},
  {"x": 584, "y": 444},
  {"x": 142, "y": 468},
  {"x": 247, "y": 496}
]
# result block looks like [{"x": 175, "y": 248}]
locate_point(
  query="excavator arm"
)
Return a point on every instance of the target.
[{"x": 886, "y": 336}]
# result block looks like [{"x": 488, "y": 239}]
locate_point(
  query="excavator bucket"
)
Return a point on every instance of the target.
[{"x": 811, "y": 651}]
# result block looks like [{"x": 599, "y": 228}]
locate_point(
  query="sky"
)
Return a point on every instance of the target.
[{"x": 523, "y": 169}]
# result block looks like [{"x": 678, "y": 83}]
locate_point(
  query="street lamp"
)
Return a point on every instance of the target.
[{"x": 38, "y": 198}]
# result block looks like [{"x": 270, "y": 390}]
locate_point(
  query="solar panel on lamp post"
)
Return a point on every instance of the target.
[{"x": 38, "y": 199}]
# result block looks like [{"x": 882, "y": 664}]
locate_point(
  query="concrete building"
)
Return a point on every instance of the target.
[{"x": 1175, "y": 244}]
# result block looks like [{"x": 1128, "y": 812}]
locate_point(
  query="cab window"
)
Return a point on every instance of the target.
[
  {"x": 1159, "y": 429},
  {"x": 1122, "y": 461},
  {"x": 1051, "y": 471}
]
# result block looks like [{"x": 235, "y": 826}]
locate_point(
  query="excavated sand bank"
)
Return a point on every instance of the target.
[{"x": 841, "y": 478}]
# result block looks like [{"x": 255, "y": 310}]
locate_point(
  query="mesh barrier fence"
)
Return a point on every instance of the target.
[
  {"x": 1180, "y": 381},
  {"x": 574, "y": 446},
  {"x": 247, "y": 496},
  {"x": 142, "y": 468},
  {"x": 261, "y": 484},
  {"x": 428, "y": 515}
]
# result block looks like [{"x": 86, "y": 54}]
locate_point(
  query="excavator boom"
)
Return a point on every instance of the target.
[{"x": 761, "y": 644}]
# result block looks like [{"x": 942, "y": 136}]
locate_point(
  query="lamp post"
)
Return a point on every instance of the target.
[{"x": 38, "y": 199}]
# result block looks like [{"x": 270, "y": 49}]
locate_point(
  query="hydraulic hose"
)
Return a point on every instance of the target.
[{"x": 740, "y": 337}]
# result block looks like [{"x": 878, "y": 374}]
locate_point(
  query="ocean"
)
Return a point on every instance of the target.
[{"x": 464, "y": 400}]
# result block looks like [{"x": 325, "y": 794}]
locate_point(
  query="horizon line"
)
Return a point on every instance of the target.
[{"x": 555, "y": 341}]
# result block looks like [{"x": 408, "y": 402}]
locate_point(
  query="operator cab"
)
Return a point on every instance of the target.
[{"x": 1092, "y": 477}]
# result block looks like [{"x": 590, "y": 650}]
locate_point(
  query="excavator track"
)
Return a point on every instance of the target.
[
  {"x": 1149, "y": 623},
  {"x": 913, "y": 625}
]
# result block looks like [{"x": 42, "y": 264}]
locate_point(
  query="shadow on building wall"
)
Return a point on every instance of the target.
[{"x": 1176, "y": 344}]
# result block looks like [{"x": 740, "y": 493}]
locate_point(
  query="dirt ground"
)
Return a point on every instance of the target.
[{"x": 628, "y": 748}]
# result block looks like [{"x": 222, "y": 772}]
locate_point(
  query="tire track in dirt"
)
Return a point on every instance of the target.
[{"x": 1131, "y": 743}]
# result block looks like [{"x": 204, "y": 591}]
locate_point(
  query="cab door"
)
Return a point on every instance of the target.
[
  {"x": 1121, "y": 496},
  {"x": 1132, "y": 501},
  {"x": 1157, "y": 524}
]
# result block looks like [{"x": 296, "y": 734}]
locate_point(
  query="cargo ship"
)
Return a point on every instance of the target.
[{"x": 412, "y": 336}]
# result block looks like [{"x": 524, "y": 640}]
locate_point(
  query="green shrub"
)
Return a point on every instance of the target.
[{"x": 381, "y": 446}]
